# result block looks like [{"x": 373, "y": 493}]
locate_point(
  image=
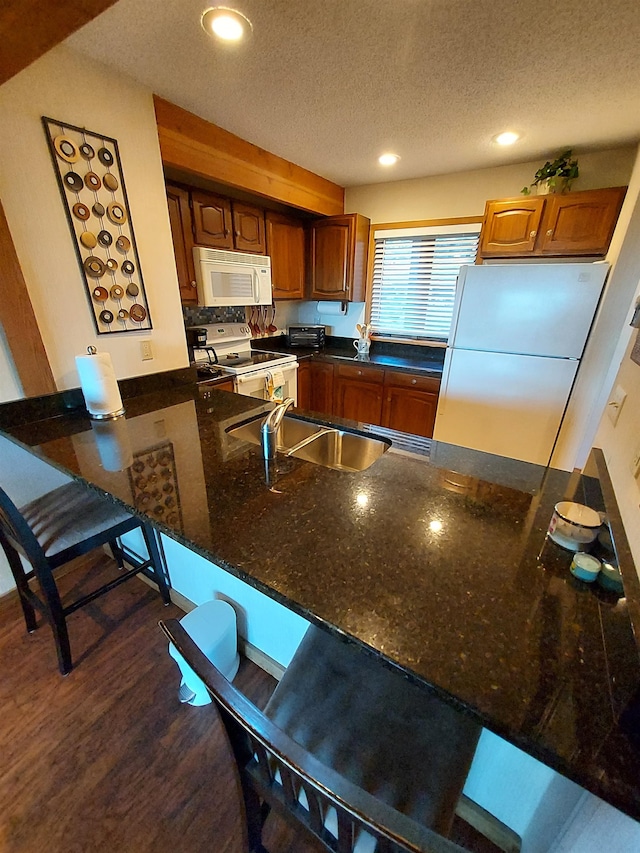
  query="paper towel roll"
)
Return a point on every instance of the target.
[
  {"x": 114, "y": 444},
  {"x": 99, "y": 385},
  {"x": 332, "y": 309}
]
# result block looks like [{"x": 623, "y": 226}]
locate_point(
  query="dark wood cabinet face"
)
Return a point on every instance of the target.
[
  {"x": 304, "y": 384},
  {"x": 330, "y": 260},
  {"x": 358, "y": 393},
  {"x": 211, "y": 220},
  {"x": 248, "y": 228},
  {"x": 286, "y": 248},
  {"x": 321, "y": 394},
  {"x": 181, "y": 234},
  {"x": 410, "y": 411}
]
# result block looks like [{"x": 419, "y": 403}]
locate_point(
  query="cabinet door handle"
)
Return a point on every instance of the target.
[
  {"x": 413, "y": 381},
  {"x": 550, "y": 232},
  {"x": 533, "y": 234},
  {"x": 193, "y": 284},
  {"x": 359, "y": 373},
  {"x": 226, "y": 232}
]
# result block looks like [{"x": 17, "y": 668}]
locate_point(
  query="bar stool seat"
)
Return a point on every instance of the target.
[{"x": 388, "y": 736}]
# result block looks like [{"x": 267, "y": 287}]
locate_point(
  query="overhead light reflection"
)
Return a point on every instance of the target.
[
  {"x": 362, "y": 499},
  {"x": 435, "y": 525}
]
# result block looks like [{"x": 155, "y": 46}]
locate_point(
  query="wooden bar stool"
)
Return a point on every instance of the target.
[
  {"x": 348, "y": 751},
  {"x": 54, "y": 529}
]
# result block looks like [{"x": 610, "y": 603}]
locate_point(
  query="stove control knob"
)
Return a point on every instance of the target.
[{"x": 245, "y": 330}]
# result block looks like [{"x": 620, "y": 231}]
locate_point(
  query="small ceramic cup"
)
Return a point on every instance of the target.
[{"x": 362, "y": 346}]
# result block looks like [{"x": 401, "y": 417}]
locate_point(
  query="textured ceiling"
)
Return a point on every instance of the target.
[{"x": 331, "y": 84}]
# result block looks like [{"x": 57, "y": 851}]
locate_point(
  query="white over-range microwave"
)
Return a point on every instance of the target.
[{"x": 232, "y": 278}]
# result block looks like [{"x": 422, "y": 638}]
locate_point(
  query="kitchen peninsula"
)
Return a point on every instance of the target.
[{"x": 436, "y": 564}]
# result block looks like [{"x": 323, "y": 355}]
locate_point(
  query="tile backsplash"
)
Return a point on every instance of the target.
[{"x": 197, "y": 316}]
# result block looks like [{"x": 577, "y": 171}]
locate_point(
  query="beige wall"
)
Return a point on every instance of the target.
[
  {"x": 465, "y": 193},
  {"x": 67, "y": 86}
]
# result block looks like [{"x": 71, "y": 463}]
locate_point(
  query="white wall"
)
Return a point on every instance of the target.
[
  {"x": 465, "y": 193},
  {"x": 66, "y": 86}
]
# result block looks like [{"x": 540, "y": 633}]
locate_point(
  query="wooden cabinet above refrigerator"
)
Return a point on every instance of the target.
[{"x": 578, "y": 224}]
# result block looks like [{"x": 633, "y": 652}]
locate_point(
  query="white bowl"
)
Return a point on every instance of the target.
[{"x": 574, "y": 525}]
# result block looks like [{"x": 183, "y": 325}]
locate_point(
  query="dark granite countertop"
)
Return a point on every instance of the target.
[
  {"x": 438, "y": 564},
  {"x": 412, "y": 358}
]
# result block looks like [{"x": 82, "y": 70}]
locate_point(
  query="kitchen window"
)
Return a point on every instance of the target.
[{"x": 414, "y": 279}]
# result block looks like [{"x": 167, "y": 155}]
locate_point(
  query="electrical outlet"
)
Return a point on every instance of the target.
[
  {"x": 615, "y": 403},
  {"x": 146, "y": 350},
  {"x": 635, "y": 463}
]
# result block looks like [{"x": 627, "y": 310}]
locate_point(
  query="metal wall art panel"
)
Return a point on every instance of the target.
[{"x": 93, "y": 193}]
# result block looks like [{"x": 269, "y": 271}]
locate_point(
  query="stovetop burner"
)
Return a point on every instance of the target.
[{"x": 209, "y": 371}]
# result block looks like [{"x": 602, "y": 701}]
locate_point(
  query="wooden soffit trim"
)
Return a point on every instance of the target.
[
  {"x": 19, "y": 321},
  {"x": 29, "y": 28},
  {"x": 190, "y": 144}
]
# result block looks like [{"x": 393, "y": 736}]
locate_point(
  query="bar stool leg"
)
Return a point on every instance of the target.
[
  {"x": 22, "y": 585},
  {"x": 57, "y": 618},
  {"x": 156, "y": 559}
]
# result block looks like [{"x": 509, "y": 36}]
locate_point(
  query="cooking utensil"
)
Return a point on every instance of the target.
[
  {"x": 66, "y": 148},
  {"x": 92, "y": 181},
  {"x": 137, "y": 312},
  {"x": 110, "y": 182},
  {"x": 81, "y": 211},
  {"x": 116, "y": 213},
  {"x": 271, "y": 328},
  {"x": 73, "y": 182},
  {"x": 105, "y": 156}
]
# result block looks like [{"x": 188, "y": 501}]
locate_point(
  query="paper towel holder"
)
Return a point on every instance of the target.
[{"x": 107, "y": 416}]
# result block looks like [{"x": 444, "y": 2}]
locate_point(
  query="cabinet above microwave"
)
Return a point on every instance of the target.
[{"x": 232, "y": 278}]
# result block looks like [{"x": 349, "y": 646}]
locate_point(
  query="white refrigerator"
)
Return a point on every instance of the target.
[{"x": 518, "y": 333}]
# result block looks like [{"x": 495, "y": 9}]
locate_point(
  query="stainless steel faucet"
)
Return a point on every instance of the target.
[{"x": 270, "y": 427}]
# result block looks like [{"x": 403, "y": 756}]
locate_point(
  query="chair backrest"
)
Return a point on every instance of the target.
[
  {"x": 15, "y": 531},
  {"x": 274, "y": 769}
]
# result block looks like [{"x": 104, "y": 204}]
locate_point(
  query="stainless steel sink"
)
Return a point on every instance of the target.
[
  {"x": 327, "y": 446},
  {"x": 344, "y": 451}
]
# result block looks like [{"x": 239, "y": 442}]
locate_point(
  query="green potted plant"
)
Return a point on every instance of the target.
[{"x": 556, "y": 176}]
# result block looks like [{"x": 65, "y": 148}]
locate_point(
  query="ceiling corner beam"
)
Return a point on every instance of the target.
[
  {"x": 30, "y": 28},
  {"x": 190, "y": 144}
]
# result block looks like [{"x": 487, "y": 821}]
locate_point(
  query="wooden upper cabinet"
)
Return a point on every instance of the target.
[
  {"x": 581, "y": 223},
  {"x": 511, "y": 227},
  {"x": 555, "y": 225},
  {"x": 285, "y": 247},
  {"x": 338, "y": 262},
  {"x": 212, "y": 223},
  {"x": 248, "y": 228},
  {"x": 180, "y": 221}
]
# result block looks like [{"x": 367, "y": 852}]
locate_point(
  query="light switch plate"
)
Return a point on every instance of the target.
[
  {"x": 616, "y": 401},
  {"x": 146, "y": 350}
]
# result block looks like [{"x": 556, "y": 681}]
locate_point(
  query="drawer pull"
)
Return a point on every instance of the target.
[
  {"x": 550, "y": 232},
  {"x": 413, "y": 381}
]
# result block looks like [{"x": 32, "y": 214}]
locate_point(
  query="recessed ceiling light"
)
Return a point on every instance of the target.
[
  {"x": 388, "y": 159},
  {"x": 506, "y": 138},
  {"x": 226, "y": 24}
]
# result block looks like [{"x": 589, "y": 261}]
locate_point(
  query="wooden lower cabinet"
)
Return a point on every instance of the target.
[
  {"x": 227, "y": 385},
  {"x": 410, "y": 403},
  {"x": 304, "y": 384},
  {"x": 358, "y": 393},
  {"x": 321, "y": 390}
]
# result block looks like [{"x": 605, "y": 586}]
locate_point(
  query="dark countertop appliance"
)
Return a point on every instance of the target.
[
  {"x": 196, "y": 338},
  {"x": 306, "y": 336}
]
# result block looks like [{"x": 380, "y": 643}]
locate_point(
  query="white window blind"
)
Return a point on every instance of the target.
[{"x": 414, "y": 280}]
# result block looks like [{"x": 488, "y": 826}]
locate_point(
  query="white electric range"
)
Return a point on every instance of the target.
[{"x": 265, "y": 375}]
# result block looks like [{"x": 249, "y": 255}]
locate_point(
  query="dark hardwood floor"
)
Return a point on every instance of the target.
[{"x": 106, "y": 758}]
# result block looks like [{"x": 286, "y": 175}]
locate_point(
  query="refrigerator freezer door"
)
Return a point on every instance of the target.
[
  {"x": 510, "y": 405},
  {"x": 537, "y": 309}
]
